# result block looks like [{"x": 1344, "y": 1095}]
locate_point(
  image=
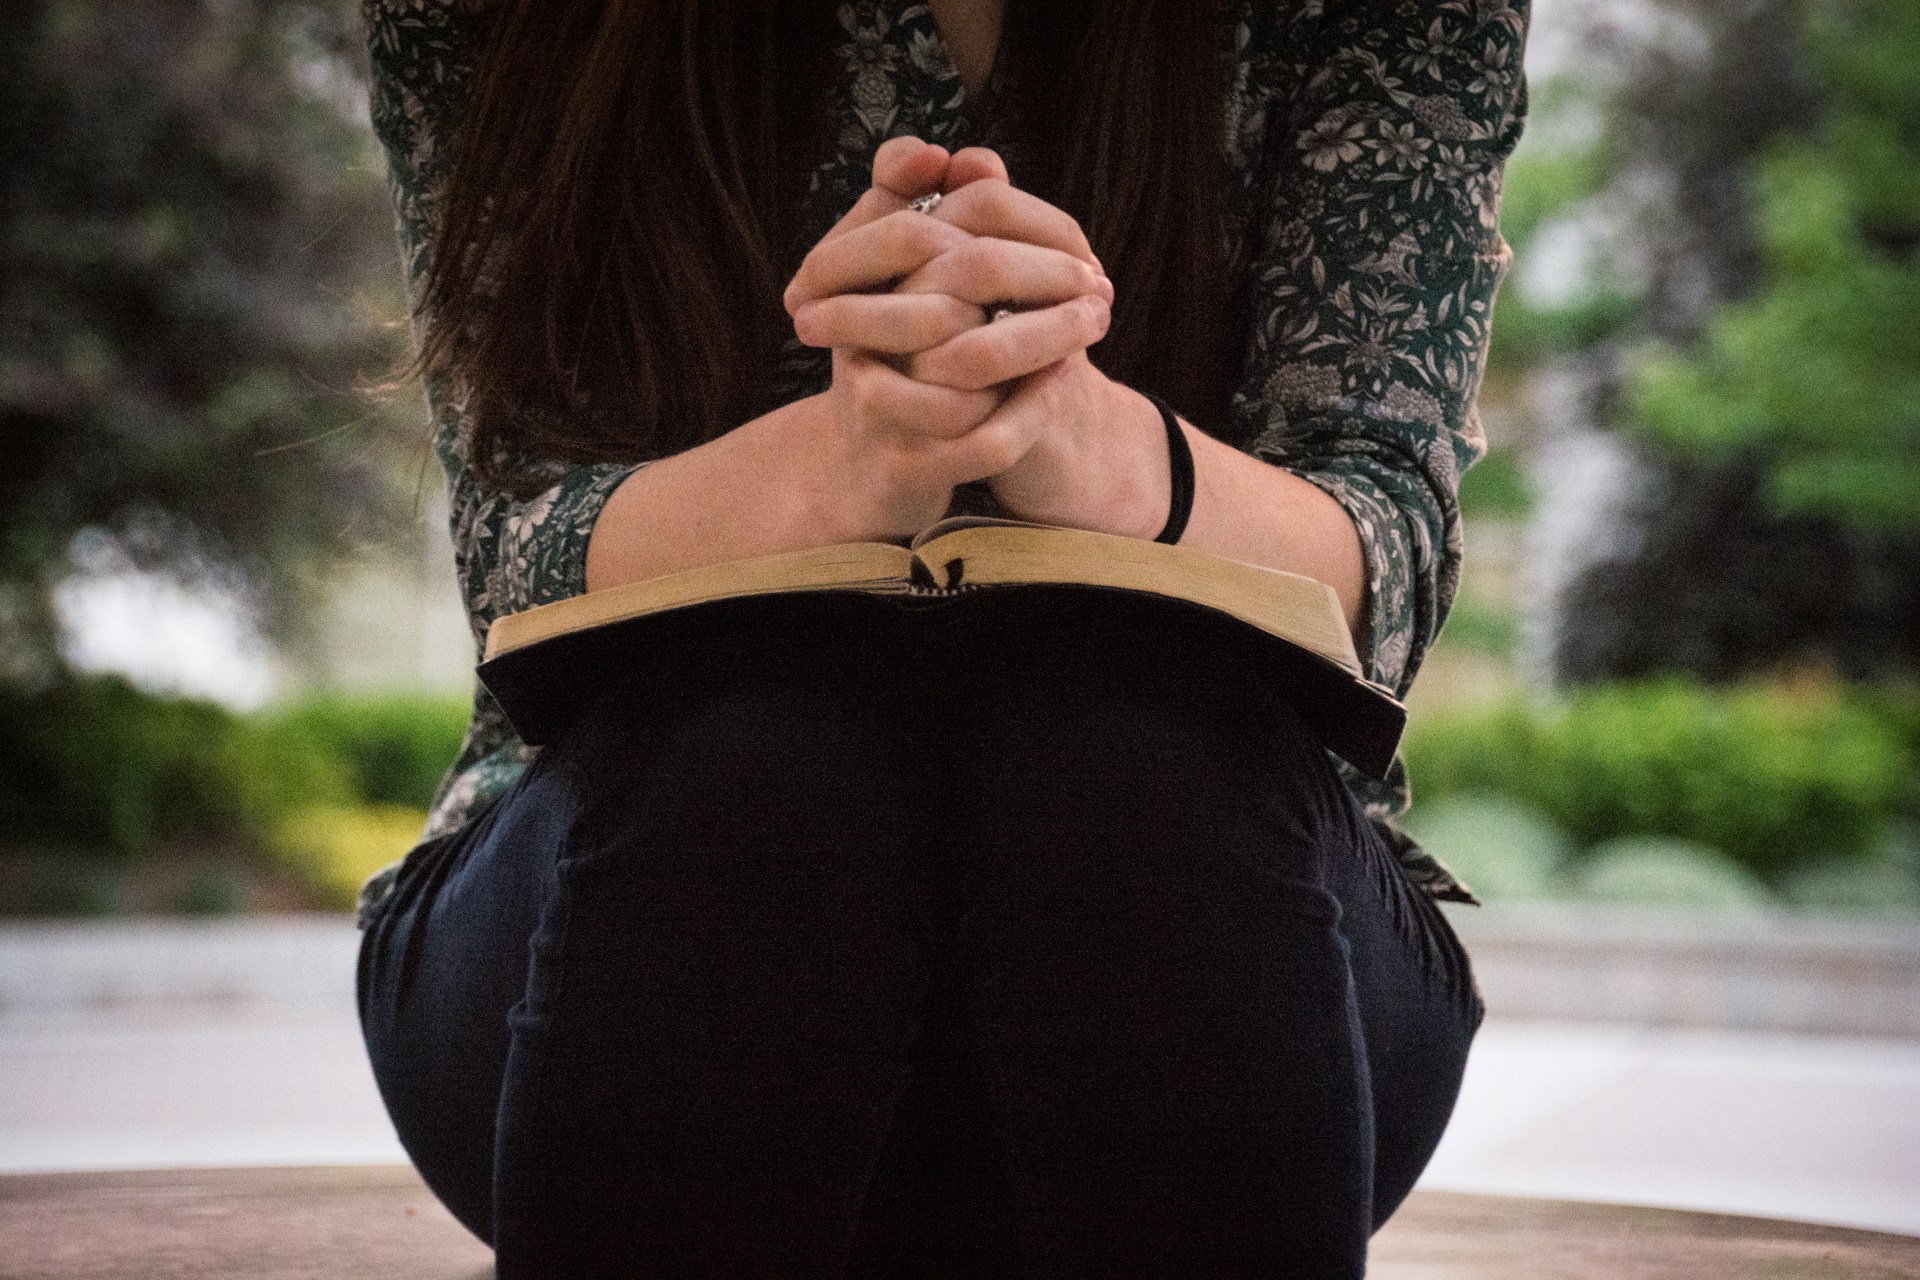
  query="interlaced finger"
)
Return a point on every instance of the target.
[
  {"x": 904, "y": 169},
  {"x": 892, "y": 323},
  {"x": 993, "y": 207},
  {"x": 911, "y": 409},
  {"x": 872, "y": 257},
  {"x": 984, "y": 269},
  {"x": 1014, "y": 347}
]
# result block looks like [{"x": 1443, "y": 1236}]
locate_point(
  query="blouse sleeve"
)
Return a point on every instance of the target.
[
  {"x": 1375, "y": 254},
  {"x": 510, "y": 554}
]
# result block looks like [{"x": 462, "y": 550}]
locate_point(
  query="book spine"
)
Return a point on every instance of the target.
[{"x": 922, "y": 579}]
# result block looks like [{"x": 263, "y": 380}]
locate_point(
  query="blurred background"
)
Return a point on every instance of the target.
[{"x": 1681, "y": 682}]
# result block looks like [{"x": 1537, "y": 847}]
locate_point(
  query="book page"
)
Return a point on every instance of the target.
[
  {"x": 1292, "y": 606},
  {"x": 874, "y": 566}
]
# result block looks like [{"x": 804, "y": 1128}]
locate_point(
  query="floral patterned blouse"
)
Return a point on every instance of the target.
[{"x": 1363, "y": 143}]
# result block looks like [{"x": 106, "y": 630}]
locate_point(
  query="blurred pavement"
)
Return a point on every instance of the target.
[{"x": 145, "y": 1044}]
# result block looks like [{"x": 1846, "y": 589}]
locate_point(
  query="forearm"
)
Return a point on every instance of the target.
[
  {"x": 1250, "y": 510},
  {"x": 1244, "y": 508},
  {"x": 741, "y": 495}
]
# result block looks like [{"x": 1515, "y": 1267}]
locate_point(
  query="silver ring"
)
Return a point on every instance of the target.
[
  {"x": 998, "y": 313},
  {"x": 926, "y": 203}
]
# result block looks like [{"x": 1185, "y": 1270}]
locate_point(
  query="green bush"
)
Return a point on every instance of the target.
[
  {"x": 1484, "y": 750},
  {"x": 1886, "y": 883},
  {"x": 68, "y": 883},
  {"x": 1502, "y": 849},
  {"x": 209, "y": 889},
  {"x": 1877, "y": 889},
  {"x": 1481, "y": 628},
  {"x": 99, "y": 767},
  {"x": 95, "y": 764},
  {"x": 1662, "y": 871},
  {"x": 332, "y": 849},
  {"x": 1773, "y": 776},
  {"x": 394, "y": 747},
  {"x": 1496, "y": 488}
]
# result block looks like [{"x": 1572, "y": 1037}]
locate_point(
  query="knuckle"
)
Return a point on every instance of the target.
[
  {"x": 866, "y": 396},
  {"x": 978, "y": 202},
  {"x": 1001, "y": 453},
  {"x": 957, "y": 315},
  {"x": 924, "y": 366},
  {"x": 895, "y": 469},
  {"x": 924, "y": 236},
  {"x": 1096, "y": 316},
  {"x": 950, "y": 422},
  {"x": 996, "y": 197},
  {"x": 957, "y": 371},
  {"x": 974, "y": 256},
  {"x": 937, "y": 325},
  {"x": 905, "y": 232}
]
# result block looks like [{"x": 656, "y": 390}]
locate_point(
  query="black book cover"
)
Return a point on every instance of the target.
[{"x": 542, "y": 686}]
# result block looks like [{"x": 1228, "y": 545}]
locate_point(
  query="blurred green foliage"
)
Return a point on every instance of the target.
[
  {"x": 70, "y": 883},
  {"x": 1885, "y": 884},
  {"x": 1544, "y": 184},
  {"x": 95, "y": 766},
  {"x": 393, "y": 748},
  {"x": 1774, "y": 777},
  {"x": 1770, "y": 384},
  {"x": 333, "y": 848},
  {"x": 1525, "y": 333},
  {"x": 1480, "y": 627},
  {"x": 209, "y": 889},
  {"x": 1664, "y": 871},
  {"x": 1708, "y": 579},
  {"x": 1504, "y": 849},
  {"x": 1820, "y": 368},
  {"x": 1496, "y": 488}
]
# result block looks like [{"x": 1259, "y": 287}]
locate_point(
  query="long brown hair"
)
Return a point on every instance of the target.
[{"x": 621, "y": 213}]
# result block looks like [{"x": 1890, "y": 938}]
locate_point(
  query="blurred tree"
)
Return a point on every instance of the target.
[
  {"x": 1773, "y": 383},
  {"x": 1817, "y": 374},
  {"x": 195, "y": 243},
  {"x": 1718, "y": 584},
  {"x": 1638, "y": 158}
]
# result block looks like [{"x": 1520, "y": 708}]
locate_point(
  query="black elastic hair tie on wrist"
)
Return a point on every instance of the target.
[{"x": 1180, "y": 453}]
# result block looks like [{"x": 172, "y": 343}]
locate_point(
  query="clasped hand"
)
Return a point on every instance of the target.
[{"x": 927, "y": 394}]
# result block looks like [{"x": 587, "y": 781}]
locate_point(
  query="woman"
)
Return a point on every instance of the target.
[{"x": 990, "y": 941}]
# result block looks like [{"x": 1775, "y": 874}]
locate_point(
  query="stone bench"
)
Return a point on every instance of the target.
[{"x": 380, "y": 1222}]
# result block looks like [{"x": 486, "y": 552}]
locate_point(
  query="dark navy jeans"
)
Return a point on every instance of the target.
[{"x": 1007, "y": 939}]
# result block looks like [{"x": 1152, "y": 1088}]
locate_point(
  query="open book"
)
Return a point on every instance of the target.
[{"x": 533, "y": 658}]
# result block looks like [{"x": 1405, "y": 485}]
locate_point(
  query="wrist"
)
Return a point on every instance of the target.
[
  {"x": 841, "y": 493},
  {"x": 1139, "y": 492},
  {"x": 818, "y": 511},
  {"x": 1113, "y": 479}
]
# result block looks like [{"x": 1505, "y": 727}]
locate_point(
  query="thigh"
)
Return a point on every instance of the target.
[
  {"x": 1161, "y": 989},
  {"x": 692, "y": 850},
  {"x": 1225, "y": 1028},
  {"x": 728, "y": 977},
  {"x": 441, "y": 966},
  {"x": 1418, "y": 1007}
]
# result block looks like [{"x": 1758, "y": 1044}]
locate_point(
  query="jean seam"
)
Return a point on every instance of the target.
[{"x": 560, "y": 902}]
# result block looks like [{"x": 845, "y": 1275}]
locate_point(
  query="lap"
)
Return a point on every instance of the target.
[{"x": 970, "y": 746}]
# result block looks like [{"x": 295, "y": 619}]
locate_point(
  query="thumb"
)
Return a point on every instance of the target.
[
  {"x": 909, "y": 167},
  {"x": 904, "y": 169},
  {"x": 971, "y": 164}
]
